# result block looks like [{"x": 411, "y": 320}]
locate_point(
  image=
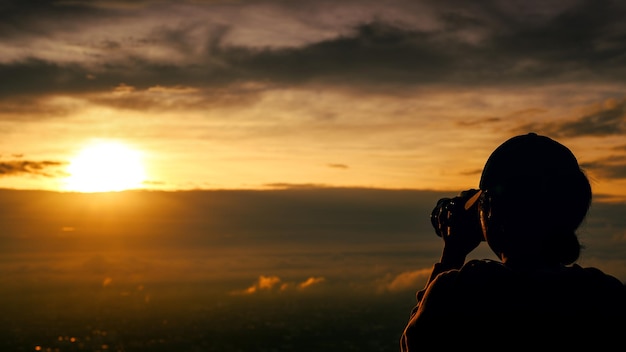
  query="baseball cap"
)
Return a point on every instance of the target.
[{"x": 524, "y": 165}]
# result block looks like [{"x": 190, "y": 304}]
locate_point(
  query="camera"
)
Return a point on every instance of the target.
[{"x": 450, "y": 215}]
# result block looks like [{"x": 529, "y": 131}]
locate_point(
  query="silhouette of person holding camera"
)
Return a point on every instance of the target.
[{"x": 532, "y": 198}]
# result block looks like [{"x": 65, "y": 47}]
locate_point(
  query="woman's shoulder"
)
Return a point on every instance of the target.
[
  {"x": 575, "y": 271},
  {"x": 590, "y": 271},
  {"x": 595, "y": 276},
  {"x": 483, "y": 267},
  {"x": 476, "y": 272},
  {"x": 486, "y": 272}
]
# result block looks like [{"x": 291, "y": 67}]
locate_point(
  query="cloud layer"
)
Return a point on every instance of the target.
[{"x": 248, "y": 241}]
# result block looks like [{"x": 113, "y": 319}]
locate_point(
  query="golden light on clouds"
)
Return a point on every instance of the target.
[
  {"x": 105, "y": 166},
  {"x": 407, "y": 280},
  {"x": 274, "y": 283}
]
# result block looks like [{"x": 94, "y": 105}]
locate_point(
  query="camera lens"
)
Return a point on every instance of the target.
[{"x": 441, "y": 209}]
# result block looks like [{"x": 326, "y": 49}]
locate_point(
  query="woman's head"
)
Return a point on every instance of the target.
[{"x": 535, "y": 197}]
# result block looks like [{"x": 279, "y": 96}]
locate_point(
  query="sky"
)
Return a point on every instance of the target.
[{"x": 269, "y": 94}]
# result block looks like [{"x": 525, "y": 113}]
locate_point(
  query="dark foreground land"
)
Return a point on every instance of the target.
[{"x": 195, "y": 318}]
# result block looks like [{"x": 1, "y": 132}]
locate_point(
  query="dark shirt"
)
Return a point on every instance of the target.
[{"x": 489, "y": 303}]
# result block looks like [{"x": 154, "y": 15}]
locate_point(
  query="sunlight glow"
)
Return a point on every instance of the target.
[{"x": 105, "y": 166}]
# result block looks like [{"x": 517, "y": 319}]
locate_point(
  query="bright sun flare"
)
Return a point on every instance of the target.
[{"x": 105, "y": 167}]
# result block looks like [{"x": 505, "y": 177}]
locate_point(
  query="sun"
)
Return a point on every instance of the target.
[{"x": 105, "y": 166}]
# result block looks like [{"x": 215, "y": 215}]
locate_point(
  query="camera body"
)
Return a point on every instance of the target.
[{"x": 450, "y": 216}]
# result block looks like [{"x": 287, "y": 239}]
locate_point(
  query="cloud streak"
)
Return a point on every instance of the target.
[
  {"x": 605, "y": 120},
  {"x": 405, "y": 281},
  {"x": 28, "y": 167}
]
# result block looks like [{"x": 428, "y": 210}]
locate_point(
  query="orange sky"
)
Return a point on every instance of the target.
[{"x": 403, "y": 94}]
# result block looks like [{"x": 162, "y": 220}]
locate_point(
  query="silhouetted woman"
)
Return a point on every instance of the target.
[{"x": 532, "y": 198}]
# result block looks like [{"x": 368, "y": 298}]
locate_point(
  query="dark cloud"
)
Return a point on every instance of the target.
[
  {"x": 20, "y": 21},
  {"x": 620, "y": 148},
  {"x": 284, "y": 185},
  {"x": 610, "y": 119},
  {"x": 38, "y": 168},
  {"x": 476, "y": 172},
  {"x": 613, "y": 167},
  {"x": 478, "y": 122},
  {"x": 36, "y": 76},
  {"x": 587, "y": 36},
  {"x": 25, "y": 108},
  {"x": 473, "y": 45}
]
